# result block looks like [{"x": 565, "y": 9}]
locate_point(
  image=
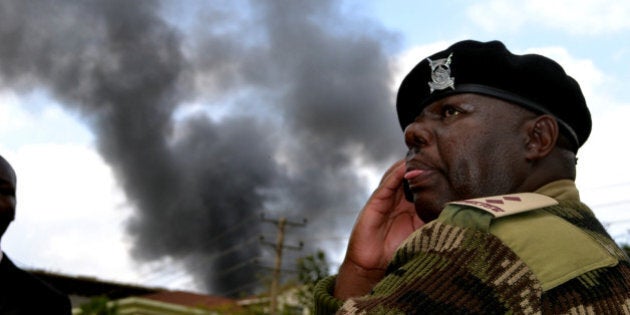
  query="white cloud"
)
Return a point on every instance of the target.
[
  {"x": 70, "y": 213},
  {"x": 497, "y": 15},
  {"x": 584, "y": 17},
  {"x": 602, "y": 177},
  {"x": 11, "y": 117}
]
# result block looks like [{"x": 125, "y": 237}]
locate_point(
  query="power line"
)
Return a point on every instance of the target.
[
  {"x": 165, "y": 268},
  {"x": 234, "y": 247},
  {"x": 611, "y": 204},
  {"x": 238, "y": 266},
  {"x": 235, "y": 227},
  {"x": 240, "y": 288},
  {"x": 611, "y": 222},
  {"x": 166, "y": 271},
  {"x": 615, "y": 185}
]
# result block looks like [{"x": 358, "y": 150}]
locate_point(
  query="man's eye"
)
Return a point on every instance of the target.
[
  {"x": 448, "y": 111},
  {"x": 6, "y": 191}
]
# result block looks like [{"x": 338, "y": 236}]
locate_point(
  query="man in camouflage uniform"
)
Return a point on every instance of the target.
[{"x": 492, "y": 222}]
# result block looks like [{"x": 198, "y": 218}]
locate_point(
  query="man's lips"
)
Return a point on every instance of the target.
[
  {"x": 418, "y": 177},
  {"x": 413, "y": 173}
]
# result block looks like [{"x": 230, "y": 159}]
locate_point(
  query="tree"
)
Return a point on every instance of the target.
[
  {"x": 311, "y": 269},
  {"x": 100, "y": 305}
]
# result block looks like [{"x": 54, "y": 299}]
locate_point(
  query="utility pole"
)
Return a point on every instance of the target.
[
  {"x": 282, "y": 222},
  {"x": 273, "y": 294}
]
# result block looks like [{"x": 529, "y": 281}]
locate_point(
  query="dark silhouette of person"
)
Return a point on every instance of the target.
[{"x": 21, "y": 293}]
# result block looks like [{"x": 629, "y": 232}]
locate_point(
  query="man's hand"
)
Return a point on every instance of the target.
[{"x": 386, "y": 220}]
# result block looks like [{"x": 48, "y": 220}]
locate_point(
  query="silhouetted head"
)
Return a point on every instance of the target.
[{"x": 7, "y": 194}]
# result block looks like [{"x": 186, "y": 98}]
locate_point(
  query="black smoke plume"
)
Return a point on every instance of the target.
[{"x": 212, "y": 114}]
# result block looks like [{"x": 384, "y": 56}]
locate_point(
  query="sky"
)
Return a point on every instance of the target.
[{"x": 148, "y": 139}]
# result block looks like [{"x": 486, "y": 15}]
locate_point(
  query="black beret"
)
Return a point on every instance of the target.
[{"x": 532, "y": 81}]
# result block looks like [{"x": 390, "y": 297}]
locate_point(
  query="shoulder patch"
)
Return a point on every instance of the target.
[{"x": 504, "y": 205}]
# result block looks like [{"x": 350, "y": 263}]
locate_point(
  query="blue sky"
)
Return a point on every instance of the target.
[{"x": 53, "y": 230}]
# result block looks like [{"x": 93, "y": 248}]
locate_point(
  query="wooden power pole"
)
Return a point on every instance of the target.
[
  {"x": 279, "y": 246},
  {"x": 273, "y": 294}
]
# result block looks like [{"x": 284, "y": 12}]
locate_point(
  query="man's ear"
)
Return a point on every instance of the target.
[{"x": 542, "y": 134}]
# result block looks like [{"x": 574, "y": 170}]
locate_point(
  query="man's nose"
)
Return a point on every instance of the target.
[{"x": 417, "y": 135}]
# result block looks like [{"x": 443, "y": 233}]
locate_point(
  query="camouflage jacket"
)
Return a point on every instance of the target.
[{"x": 557, "y": 259}]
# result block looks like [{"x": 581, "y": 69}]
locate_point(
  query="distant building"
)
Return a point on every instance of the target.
[
  {"x": 135, "y": 299},
  {"x": 140, "y": 300},
  {"x": 83, "y": 289}
]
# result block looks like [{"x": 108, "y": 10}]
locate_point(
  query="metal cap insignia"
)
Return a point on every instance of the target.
[{"x": 441, "y": 74}]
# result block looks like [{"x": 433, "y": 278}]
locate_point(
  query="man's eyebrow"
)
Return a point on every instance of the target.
[{"x": 430, "y": 109}]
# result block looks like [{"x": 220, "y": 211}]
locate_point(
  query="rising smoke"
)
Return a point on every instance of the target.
[{"x": 209, "y": 119}]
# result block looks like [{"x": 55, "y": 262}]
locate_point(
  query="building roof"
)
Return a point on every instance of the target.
[
  {"x": 190, "y": 299},
  {"x": 80, "y": 289},
  {"x": 89, "y": 286}
]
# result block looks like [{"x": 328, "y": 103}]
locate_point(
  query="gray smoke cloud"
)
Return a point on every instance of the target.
[{"x": 209, "y": 119}]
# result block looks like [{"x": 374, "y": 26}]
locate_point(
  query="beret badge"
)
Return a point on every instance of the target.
[{"x": 441, "y": 74}]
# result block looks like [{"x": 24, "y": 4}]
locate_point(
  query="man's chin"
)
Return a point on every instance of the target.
[
  {"x": 427, "y": 214},
  {"x": 427, "y": 208},
  {"x": 3, "y": 227}
]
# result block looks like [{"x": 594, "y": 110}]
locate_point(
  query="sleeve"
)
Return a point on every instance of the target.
[
  {"x": 325, "y": 302},
  {"x": 448, "y": 269}
]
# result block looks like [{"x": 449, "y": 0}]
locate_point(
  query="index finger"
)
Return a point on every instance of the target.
[{"x": 394, "y": 175}]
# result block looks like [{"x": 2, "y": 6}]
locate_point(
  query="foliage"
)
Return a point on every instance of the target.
[
  {"x": 100, "y": 305},
  {"x": 311, "y": 269},
  {"x": 237, "y": 310}
]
